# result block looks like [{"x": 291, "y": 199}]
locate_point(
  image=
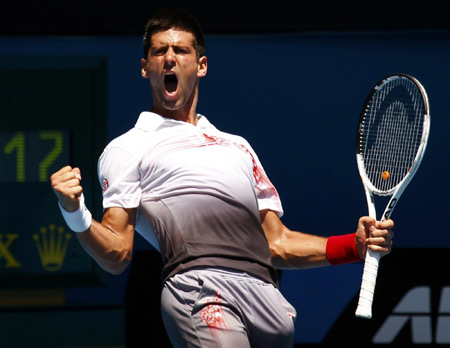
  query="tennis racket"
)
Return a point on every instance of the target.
[{"x": 391, "y": 139}]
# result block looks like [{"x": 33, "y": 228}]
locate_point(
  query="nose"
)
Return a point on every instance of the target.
[{"x": 169, "y": 58}]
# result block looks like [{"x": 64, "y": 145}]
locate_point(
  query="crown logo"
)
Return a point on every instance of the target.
[{"x": 52, "y": 245}]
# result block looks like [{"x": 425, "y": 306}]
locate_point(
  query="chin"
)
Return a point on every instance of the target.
[{"x": 172, "y": 106}]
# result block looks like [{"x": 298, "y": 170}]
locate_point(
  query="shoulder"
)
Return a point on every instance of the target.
[
  {"x": 123, "y": 146},
  {"x": 134, "y": 141},
  {"x": 206, "y": 126}
]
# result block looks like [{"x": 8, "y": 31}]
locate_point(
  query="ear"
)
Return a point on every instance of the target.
[
  {"x": 202, "y": 66},
  {"x": 144, "y": 71}
]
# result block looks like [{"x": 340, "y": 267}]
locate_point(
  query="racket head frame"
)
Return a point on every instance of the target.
[{"x": 399, "y": 187}]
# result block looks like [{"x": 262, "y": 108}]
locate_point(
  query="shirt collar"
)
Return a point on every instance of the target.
[
  {"x": 203, "y": 123},
  {"x": 149, "y": 121}
]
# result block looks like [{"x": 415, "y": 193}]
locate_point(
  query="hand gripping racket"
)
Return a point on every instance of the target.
[{"x": 390, "y": 142}]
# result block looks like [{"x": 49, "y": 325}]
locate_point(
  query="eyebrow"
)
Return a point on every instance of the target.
[
  {"x": 173, "y": 44},
  {"x": 179, "y": 45}
]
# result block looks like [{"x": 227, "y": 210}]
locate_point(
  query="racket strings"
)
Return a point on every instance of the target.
[{"x": 391, "y": 133}]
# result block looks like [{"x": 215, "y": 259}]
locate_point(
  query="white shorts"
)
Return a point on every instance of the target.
[{"x": 224, "y": 308}]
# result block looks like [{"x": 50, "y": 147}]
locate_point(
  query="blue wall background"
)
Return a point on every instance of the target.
[{"x": 296, "y": 98}]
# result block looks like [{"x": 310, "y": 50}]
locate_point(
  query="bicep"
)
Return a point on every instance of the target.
[
  {"x": 120, "y": 221},
  {"x": 110, "y": 242},
  {"x": 276, "y": 234},
  {"x": 272, "y": 226}
]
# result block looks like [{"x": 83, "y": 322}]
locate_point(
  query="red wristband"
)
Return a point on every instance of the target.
[{"x": 342, "y": 249}]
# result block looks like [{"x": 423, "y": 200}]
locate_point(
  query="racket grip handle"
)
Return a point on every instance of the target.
[{"x": 369, "y": 279}]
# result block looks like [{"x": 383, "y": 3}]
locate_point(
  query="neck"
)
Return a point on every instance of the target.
[
  {"x": 186, "y": 113},
  {"x": 178, "y": 115}
]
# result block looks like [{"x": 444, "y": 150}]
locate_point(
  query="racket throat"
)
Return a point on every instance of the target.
[
  {"x": 370, "y": 202},
  {"x": 390, "y": 208}
]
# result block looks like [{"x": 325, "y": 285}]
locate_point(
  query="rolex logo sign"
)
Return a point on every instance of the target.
[{"x": 52, "y": 245}]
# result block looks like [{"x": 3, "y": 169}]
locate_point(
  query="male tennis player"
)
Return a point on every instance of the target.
[{"x": 202, "y": 198}]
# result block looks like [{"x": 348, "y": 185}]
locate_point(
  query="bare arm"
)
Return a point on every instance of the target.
[
  {"x": 109, "y": 243},
  {"x": 292, "y": 249}
]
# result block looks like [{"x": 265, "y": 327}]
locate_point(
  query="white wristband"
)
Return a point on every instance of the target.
[{"x": 79, "y": 220}]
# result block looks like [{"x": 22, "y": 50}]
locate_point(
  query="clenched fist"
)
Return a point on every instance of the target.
[{"x": 66, "y": 184}]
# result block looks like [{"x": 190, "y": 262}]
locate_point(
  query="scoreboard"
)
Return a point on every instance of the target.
[
  {"x": 45, "y": 149},
  {"x": 53, "y": 113}
]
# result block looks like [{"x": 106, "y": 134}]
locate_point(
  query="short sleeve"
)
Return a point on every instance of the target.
[
  {"x": 266, "y": 193},
  {"x": 118, "y": 173}
]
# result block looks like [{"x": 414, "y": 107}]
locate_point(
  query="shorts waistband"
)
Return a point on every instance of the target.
[{"x": 228, "y": 273}]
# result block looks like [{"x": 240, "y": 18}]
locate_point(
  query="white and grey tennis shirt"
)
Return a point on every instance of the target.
[{"x": 198, "y": 192}]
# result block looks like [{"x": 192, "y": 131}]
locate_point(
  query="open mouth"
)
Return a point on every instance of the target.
[{"x": 171, "y": 83}]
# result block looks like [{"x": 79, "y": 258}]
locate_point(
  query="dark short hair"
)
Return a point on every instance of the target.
[{"x": 174, "y": 19}]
